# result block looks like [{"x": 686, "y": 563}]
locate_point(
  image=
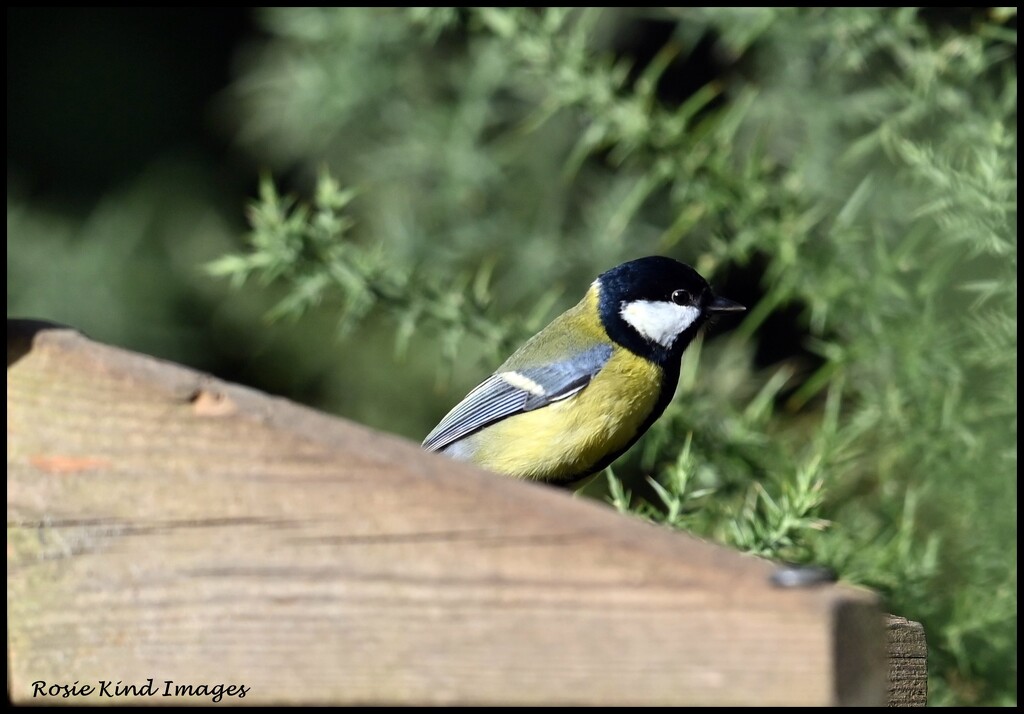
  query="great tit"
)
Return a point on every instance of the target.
[{"x": 581, "y": 391}]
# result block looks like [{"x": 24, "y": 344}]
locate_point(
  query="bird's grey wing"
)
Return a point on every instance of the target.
[{"x": 510, "y": 392}]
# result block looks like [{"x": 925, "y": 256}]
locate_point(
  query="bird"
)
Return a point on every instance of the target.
[{"x": 579, "y": 393}]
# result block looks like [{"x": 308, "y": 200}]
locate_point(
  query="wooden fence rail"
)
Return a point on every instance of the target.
[{"x": 173, "y": 538}]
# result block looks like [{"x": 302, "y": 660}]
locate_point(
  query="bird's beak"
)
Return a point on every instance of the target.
[{"x": 720, "y": 304}]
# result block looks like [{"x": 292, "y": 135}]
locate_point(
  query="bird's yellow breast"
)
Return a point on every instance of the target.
[{"x": 568, "y": 437}]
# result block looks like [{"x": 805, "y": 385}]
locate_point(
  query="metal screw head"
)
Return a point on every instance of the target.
[{"x": 790, "y": 575}]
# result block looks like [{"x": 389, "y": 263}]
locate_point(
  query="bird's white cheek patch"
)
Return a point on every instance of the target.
[{"x": 659, "y": 321}]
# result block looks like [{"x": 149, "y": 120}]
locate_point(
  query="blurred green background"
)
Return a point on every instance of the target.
[{"x": 460, "y": 176}]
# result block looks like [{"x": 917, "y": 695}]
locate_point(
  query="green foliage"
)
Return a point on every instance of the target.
[
  {"x": 123, "y": 272},
  {"x": 307, "y": 247},
  {"x": 858, "y": 164}
]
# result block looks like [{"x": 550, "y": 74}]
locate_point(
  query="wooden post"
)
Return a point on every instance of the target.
[
  {"x": 908, "y": 663},
  {"x": 172, "y": 538}
]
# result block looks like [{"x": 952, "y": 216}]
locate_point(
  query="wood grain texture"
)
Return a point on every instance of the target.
[
  {"x": 908, "y": 663},
  {"x": 163, "y": 524}
]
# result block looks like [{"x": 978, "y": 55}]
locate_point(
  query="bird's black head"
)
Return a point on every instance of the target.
[{"x": 655, "y": 306}]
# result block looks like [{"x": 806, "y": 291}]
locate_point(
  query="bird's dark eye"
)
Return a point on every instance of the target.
[{"x": 681, "y": 297}]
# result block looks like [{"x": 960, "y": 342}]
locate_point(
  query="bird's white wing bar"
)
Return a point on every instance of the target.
[{"x": 511, "y": 392}]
